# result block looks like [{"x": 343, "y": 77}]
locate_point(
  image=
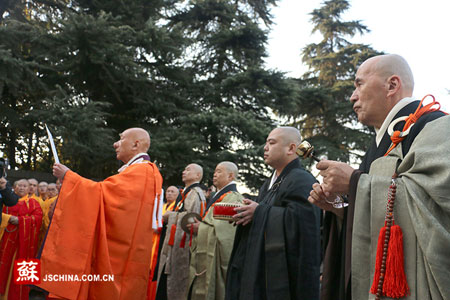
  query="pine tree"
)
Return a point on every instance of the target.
[
  {"x": 323, "y": 109},
  {"x": 190, "y": 72},
  {"x": 34, "y": 91},
  {"x": 231, "y": 88}
]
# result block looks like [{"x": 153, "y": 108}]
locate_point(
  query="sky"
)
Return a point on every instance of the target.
[{"x": 416, "y": 30}]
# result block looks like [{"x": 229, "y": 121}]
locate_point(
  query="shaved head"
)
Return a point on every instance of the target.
[
  {"x": 22, "y": 181},
  {"x": 52, "y": 190},
  {"x": 191, "y": 174},
  {"x": 224, "y": 173},
  {"x": 42, "y": 189},
  {"x": 33, "y": 181},
  {"x": 33, "y": 186},
  {"x": 132, "y": 142},
  {"x": 281, "y": 146},
  {"x": 21, "y": 187},
  {"x": 198, "y": 169},
  {"x": 140, "y": 135},
  {"x": 289, "y": 135},
  {"x": 380, "y": 83},
  {"x": 172, "y": 193},
  {"x": 393, "y": 64},
  {"x": 230, "y": 167}
]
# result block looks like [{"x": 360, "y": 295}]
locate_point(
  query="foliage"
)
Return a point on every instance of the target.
[
  {"x": 190, "y": 72},
  {"x": 323, "y": 110}
]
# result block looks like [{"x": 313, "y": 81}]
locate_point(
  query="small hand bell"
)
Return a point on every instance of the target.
[{"x": 305, "y": 150}]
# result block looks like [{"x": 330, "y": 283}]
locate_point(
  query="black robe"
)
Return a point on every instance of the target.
[
  {"x": 277, "y": 255},
  {"x": 336, "y": 283}
]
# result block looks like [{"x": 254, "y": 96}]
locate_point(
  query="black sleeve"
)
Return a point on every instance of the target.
[{"x": 9, "y": 198}]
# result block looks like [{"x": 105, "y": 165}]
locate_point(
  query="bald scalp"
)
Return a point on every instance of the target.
[
  {"x": 230, "y": 167},
  {"x": 21, "y": 187},
  {"x": 52, "y": 189},
  {"x": 32, "y": 180},
  {"x": 24, "y": 181},
  {"x": 198, "y": 169},
  {"x": 393, "y": 64},
  {"x": 289, "y": 135},
  {"x": 141, "y": 135},
  {"x": 172, "y": 187}
]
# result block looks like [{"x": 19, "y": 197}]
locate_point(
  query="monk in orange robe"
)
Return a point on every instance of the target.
[
  {"x": 47, "y": 208},
  {"x": 53, "y": 192},
  {"x": 104, "y": 228},
  {"x": 19, "y": 237},
  {"x": 33, "y": 190},
  {"x": 43, "y": 190}
]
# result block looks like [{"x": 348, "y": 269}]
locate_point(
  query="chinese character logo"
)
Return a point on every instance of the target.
[{"x": 27, "y": 271}]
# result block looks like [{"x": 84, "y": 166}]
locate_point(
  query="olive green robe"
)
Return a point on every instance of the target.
[
  {"x": 210, "y": 253},
  {"x": 422, "y": 209}
]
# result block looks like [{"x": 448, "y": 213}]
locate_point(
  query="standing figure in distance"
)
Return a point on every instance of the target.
[{"x": 276, "y": 252}]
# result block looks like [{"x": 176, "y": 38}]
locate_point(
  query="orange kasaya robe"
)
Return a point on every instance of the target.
[
  {"x": 45, "y": 205},
  {"x": 102, "y": 228},
  {"x": 152, "y": 285},
  {"x": 18, "y": 241}
]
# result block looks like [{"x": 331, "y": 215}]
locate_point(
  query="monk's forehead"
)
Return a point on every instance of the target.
[
  {"x": 192, "y": 167},
  {"x": 278, "y": 134},
  {"x": 23, "y": 182}
]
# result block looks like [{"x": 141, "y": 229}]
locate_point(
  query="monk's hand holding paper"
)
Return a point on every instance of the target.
[
  {"x": 59, "y": 170},
  {"x": 323, "y": 200},
  {"x": 245, "y": 213},
  {"x": 318, "y": 197},
  {"x": 336, "y": 177}
]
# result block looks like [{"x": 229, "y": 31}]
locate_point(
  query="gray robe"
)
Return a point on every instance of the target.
[
  {"x": 175, "y": 260},
  {"x": 422, "y": 209}
]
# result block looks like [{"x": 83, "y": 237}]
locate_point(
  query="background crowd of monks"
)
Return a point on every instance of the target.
[
  {"x": 122, "y": 227},
  {"x": 269, "y": 247},
  {"x": 23, "y": 227},
  {"x": 37, "y": 203}
]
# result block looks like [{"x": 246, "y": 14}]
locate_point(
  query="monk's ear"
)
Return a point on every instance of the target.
[
  {"x": 292, "y": 148},
  {"x": 394, "y": 85},
  {"x": 230, "y": 176}
]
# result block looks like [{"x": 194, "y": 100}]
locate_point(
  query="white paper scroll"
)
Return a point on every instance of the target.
[{"x": 52, "y": 145}]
